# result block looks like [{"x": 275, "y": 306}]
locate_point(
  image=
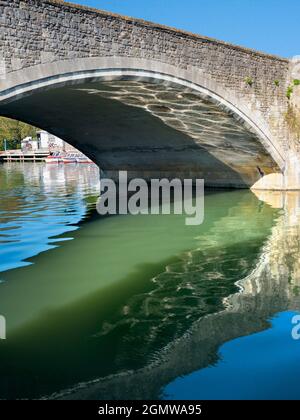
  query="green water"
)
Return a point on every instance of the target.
[{"x": 108, "y": 302}]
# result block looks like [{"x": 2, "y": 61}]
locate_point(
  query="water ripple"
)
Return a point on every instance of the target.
[{"x": 37, "y": 203}]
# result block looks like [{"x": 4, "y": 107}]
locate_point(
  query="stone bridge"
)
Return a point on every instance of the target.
[{"x": 149, "y": 99}]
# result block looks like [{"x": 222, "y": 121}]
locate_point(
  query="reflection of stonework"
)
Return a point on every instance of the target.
[
  {"x": 281, "y": 264},
  {"x": 271, "y": 287}
]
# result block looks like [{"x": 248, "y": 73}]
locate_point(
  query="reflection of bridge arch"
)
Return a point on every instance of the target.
[{"x": 272, "y": 287}]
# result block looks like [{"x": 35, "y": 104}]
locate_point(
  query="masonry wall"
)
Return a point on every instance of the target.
[{"x": 35, "y": 32}]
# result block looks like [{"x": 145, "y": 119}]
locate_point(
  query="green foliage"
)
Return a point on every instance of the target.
[
  {"x": 14, "y": 131},
  {"x": 292, "y": 118},
  {"x": 276, "y": 83},
  {"x": 290, "y": 89},
  {"x": 249, "y": 81},
  {"x": 296, "y": 290},
  {"x": 289, "y": 92}
]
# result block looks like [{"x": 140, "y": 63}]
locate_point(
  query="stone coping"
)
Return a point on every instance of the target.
[{"x": 141, "y": 22}]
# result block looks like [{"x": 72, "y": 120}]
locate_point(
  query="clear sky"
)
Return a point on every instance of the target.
[{"x": 272, "y": 26}]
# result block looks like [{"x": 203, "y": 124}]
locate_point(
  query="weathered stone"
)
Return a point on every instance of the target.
[{"x": 50, "y": 40}]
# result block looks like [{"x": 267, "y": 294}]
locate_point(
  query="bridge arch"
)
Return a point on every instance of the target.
[{"x": 29, "y": 87}]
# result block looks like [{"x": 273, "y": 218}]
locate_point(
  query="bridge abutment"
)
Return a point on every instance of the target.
[{"x": 289, "y": 179}]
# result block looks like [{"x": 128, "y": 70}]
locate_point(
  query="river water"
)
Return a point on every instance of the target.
[{"x": 144, "y": 307}]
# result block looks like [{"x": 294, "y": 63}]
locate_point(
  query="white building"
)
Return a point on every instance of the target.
[
  {"x": 29, "y": 144},
  {"x": 47, "y": 141}
]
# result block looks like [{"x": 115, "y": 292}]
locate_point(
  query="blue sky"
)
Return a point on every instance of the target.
[{"x": 268, "y": 25}]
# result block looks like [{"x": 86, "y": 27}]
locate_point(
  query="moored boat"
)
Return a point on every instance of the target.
[
  {"x": 83, "y": 159},
  {"x": 53, "y": 158},
  {"x": 69, "y": 158}
]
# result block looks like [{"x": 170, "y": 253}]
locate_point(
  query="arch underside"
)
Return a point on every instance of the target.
[{"x": 149, "y": 127}]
